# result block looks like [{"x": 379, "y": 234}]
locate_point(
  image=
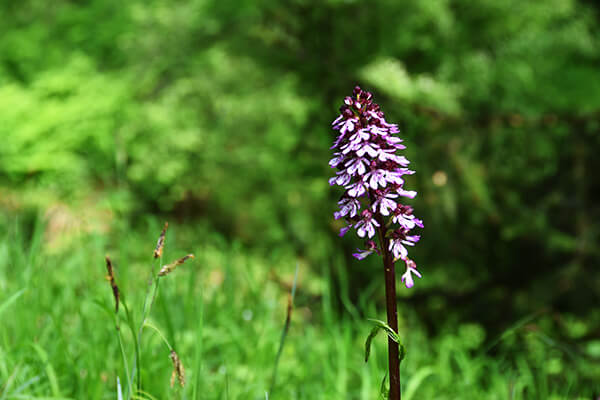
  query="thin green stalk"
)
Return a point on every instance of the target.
[
  {"x": 163, "y": 303},
  {"x": 286, "y": 327},
  {"x": 123, "y": 355},
  {"x": 153, "y": 284},
  {"x": 135, "y": 342},
  {"x": 198, "y": 354},
  {"x": 164, "y": 339}
]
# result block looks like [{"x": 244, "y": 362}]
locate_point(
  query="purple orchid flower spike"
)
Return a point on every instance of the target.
[{"x": 372, "y": 175}]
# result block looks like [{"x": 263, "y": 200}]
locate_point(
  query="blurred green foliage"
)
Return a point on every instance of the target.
[{"x": 218, "y": 113}]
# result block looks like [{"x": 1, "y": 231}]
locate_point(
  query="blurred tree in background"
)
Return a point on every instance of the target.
[{"x": 218, "y": 113}]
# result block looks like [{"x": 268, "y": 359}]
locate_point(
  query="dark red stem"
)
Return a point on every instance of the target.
[{"x": 392, "y": 311}]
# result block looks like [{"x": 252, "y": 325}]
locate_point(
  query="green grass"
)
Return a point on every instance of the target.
[{"x": 223, "y": 313}]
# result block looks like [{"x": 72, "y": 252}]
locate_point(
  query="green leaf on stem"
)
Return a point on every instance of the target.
[
  {"x": 390, "y": 332},
  {"x": 402, "y": 352},
  {"x": 370, "y": 338},
  {"x": 384, "y": 392},
  {"x": 380, "y": 325}
]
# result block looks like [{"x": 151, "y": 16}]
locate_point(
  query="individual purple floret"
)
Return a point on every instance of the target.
[{"x": 372, "y": 175}]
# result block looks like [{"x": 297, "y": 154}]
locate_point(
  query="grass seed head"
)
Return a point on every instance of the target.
[
  {"x": 170, "y": 267},
  {"x": 161, "y": 242},
  {"x": 178, "y": 370},
  {"x": 113, "y": 284}
]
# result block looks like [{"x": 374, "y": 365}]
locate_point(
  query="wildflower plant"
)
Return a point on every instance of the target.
[{"x": 372, "y": 175}]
